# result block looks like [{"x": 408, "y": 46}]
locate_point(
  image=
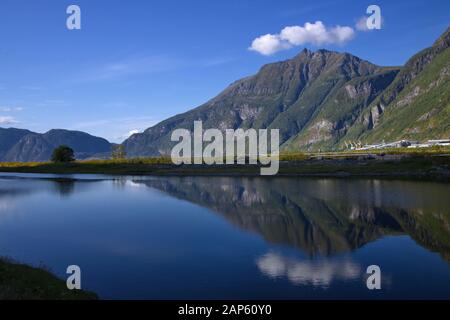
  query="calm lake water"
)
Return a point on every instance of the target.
[{"x": 239, "y": 238}]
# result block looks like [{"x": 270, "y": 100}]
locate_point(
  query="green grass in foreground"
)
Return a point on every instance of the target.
[{"x": 22, "y": 282}]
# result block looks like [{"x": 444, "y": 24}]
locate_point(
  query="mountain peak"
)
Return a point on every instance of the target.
[
  {"x": 310, "y": 53},
  {"x": 304, "y": 52}
]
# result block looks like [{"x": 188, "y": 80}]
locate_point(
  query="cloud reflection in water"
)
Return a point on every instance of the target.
[{"x": 318, "y": 273}]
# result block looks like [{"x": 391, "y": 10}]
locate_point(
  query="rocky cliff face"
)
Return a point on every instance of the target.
[{"x": 416, "y": 105}]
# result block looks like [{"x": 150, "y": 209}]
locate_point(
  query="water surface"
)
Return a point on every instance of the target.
[{"x": 239, "y": 238}]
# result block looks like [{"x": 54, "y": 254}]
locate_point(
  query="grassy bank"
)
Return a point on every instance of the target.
[
  {"x": 432, "y": 165},
  {"x": 436, "y": 150},
  {"x": 22, "y": 282}
]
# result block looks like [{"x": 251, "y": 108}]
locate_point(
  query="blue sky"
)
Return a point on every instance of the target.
[{"x": 136, "y": 62}]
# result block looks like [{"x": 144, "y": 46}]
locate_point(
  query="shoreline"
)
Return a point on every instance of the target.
[
  {"x": 20, "y": 281},
  {"x": 435, "y": 167}
]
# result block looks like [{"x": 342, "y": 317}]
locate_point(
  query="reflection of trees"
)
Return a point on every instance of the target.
[
  {"x": 120, "y": 182},
  {"x": 320, "y": 216},
  {"x": 65, "y": 187}
]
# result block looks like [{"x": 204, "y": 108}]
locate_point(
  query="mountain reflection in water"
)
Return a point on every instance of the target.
[{"x": 323, "y": 216}]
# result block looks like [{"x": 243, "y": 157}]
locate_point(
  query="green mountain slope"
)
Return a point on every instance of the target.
[
  {"x": 339, "y": 112},
  {"x": 416, "y": 105}
]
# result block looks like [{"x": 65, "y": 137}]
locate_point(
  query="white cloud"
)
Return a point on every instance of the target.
[
  {"x": 52, "y": 103},
  {"x": 7, "y": 120},
  {"x": 361, "y": 24},
  {"x": 131, "y": 132},
  {"x": 127, "y": 135},
  {"x": 269, "y": 44},
  {"x": 310, "y": 33},
  {"x": 132, "y": 66},
  {"x": 216, "y": 61},
  {"x": 31, "y": 88},
  {"x": 342, "y": 35},
  {"x": 10, "y": 109}
]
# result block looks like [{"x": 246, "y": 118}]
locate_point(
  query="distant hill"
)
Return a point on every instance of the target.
[
  {"x": 9, "y": 137},
  {"x": 319, "y": 100},
  {"x": 17, "y": 145}
]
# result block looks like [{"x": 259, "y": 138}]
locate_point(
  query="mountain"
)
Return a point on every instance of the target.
[
  {"x": 416, "y": 105},
  {"x": 23, "y": 146},
  {"x": 318, "y": 100},
  {"x": 293, "y": 96},
  {"x": 9, "y": 137}
]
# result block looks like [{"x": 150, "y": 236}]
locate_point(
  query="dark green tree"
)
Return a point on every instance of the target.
[{"x": 63, "y": 154}]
